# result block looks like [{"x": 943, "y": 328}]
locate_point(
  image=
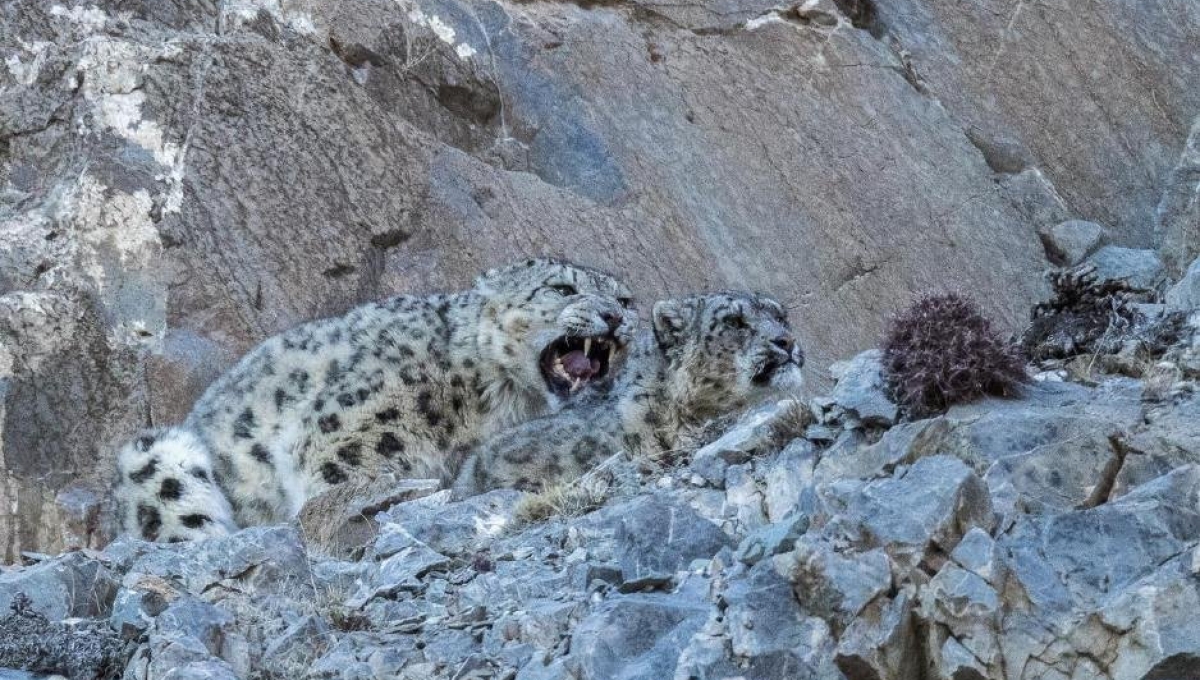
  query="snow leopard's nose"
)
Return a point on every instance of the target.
[
  {"x": 785, "y": 343},
  {"x": 613, "y": 319}
]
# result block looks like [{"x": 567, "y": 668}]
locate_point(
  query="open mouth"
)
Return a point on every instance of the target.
[
  {"x": 764, "y": 376},
  {"x": 571, "y": 363}
]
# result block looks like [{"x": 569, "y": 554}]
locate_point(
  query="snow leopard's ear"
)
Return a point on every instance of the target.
[{"x": 670, "y": 321}]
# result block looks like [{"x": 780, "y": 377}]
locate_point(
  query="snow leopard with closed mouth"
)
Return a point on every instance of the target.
[
  {"x": 708, "y": 357},
  {"x": 406, "y": 386}
]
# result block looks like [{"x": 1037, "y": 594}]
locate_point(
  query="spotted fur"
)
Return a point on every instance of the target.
[
  {"x": 402, "y": 385},
  {"x": 168, "y": 488},
  {"x": 708, "y": 357}
]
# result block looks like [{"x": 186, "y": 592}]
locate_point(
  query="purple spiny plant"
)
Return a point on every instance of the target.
[{"x": 942, "y": 351}]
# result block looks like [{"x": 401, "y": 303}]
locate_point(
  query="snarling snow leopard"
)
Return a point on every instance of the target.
[
  {"x": 707, "y": 357},
  {"x": 406, "y": 386}
]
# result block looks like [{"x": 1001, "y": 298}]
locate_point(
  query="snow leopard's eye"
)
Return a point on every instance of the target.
[
  {"x": 735, "y": 321},
  {"x": 625, "y": 302},
  {"x": 564, "y": 289}
]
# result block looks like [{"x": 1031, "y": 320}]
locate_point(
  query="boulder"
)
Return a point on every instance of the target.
[
  {"x": 883, "y": 642},
  {"x": 341, "y": 521},
  {"x": 634, "y": 636},
  {"x": 73, "y": 585},
  {"x": 1177, "y": 219},
  {"x": 1069, "y": 243},
  {"x": 1139, "y": 267},
  {"x": 831, "y": 584},
  {"x": 860, "y": 391},
  {"x": 454, "y": 528},
  {"x": 920, "y": 511},
  {"x": 1184, "y": 296},
  {"x": 649, "y": 539},
  {"x": 765, "y": 617},
  {"x": 258, "y": 560},
  {"x": 760, "y": 430}
]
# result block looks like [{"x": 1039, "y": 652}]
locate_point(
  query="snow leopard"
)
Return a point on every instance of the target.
[
  {"x": 705, "y": 358},
  {"x": 404, "y": 386}
]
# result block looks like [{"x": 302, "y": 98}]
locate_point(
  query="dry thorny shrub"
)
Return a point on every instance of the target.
[{"x": 942, "y": 351}]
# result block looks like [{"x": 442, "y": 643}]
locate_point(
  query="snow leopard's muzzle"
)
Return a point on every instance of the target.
[
  {"x": 781, "y": 361},
  {"x": 594, "y": 337}
]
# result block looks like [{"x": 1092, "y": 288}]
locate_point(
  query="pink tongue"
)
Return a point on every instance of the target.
[{"x": 578, "y": 365}]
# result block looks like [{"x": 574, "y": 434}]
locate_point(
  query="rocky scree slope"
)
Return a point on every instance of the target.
[
  {"x": 1054, "y": 535},
  {"x": 179, "y": 180}
]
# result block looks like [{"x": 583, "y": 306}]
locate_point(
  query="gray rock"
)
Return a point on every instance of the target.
[
  {"x": 968, "y": 609},
  {"x": 1167, "y": 440},
  {"x": 1092, "y": 582},
  {"x": 367, "y": 656},
  {"x": 78, "y": 648},
  {"x": 859, "y": 389},
  {"x": 743, "y": 501},
  {"x": 537, "y": 670},
  {"x": 710, "y": 466},
  {"x": 634, "y": 637},
  {"x": 333, "y": 576},
  {"x": 1177, "y": 219},
  {"x": 65, "y": 399},
  {"x": 259, "y": 560},
  {"x": 1063, "y": 474},
  {"x": 760, "y": 430},
  {"x": 649, "y": 539},
  {"x": 73, "y": 585},
  {"x": 404, "y": 561},
  {"x": 196, "y": 619},
  {"x": 903, "y": 444},
  {"x": 1185, "y": 295},
  {"x": 954, "y": 660},
  {"x": 202, "y": 670},
  {"x": 341, "y": 521},
  {"x": 772, "y": 540},
  {"x": 131, "y": 613},
  {"x": 833, "y": 585},
  {"x": 1051, "y": 448},
  {"x": 1025, "y": 92},
  {"x": 166, "y": 653},
  {"x": 541, "y": 623},
  {"x": 1069, "y": 243},
  {"x": 883, "y": 642},
  {"x": 1138, "y": 532},
  {"x": 764, "y": 616},
  {"x": 1035, "y": 198},
  {"x": 976, "y": 553},
  {"x": 928, "y": 506},
  {"x": 1141, "y": 268},
  {"x": 454, "y": 528},
  {"x": 1160, "y": 610},
  {"x": 789, "y": 481}
]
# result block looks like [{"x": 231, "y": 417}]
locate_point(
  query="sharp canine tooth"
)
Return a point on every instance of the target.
[
  {"x": 587, "y": 346},
  {"x": 612, "y": 352},
  {"x": 575, "y": 385}
]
